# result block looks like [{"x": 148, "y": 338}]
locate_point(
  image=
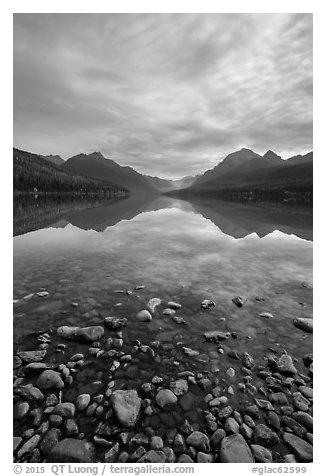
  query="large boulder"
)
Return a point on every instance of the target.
[
  {"x": 71, "y": 450},
  {"x": 81, "y": 334},
  {"x": 234, "y": 449},
  {"x": 126, "y": 406}
]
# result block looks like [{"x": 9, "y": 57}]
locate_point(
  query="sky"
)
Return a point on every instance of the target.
[{"x": 168, "y": 94}]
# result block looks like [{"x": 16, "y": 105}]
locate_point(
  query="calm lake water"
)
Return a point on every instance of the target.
[{"x": 179, "y": 251}]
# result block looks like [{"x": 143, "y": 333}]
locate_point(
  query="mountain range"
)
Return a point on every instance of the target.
[{"x": 243, "y": 169}]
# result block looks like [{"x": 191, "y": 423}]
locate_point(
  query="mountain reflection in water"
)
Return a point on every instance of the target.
[{"x": 232, "y": 218}]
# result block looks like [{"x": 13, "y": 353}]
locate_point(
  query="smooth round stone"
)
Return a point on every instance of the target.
[
  {"x": 304, "y": 419},
  {"x": 49, "y": 379},
  {"x": 231, "y": 426},
  {"x": 261, "y": 454},
  {"x": 156, "y": 443},
  {"x": 71, "y": 427},
  {"x": 144, "y": 316},
  {"x": 20, "y": 410},
  {"x": 174, "y": 305},
  {"x": 198, "y": 440},
  {"x": 165, "y": 397},
  {"x": 306, "y": 391},
  {"x": 204, "y": 457},
  {"x": 217, "y": 437},
  {"x": 168, "y": 312},
  {"x": 230, "y": 372},
  {"x": 55, "y": 420}
]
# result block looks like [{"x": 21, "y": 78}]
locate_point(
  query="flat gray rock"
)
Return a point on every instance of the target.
[
  {"x": 234, "y": 449},
  {"x": 81, "y": 334}
]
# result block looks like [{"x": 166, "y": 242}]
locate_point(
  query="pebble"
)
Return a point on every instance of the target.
[
  {"x": 174, "y": 305},
  {"x": 239, "y": 301}
]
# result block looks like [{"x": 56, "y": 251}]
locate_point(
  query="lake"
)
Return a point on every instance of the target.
[{"x": 89, "y": 257}]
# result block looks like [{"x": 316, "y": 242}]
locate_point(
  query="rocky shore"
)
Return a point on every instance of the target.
[{"x": 104, "y": 403}]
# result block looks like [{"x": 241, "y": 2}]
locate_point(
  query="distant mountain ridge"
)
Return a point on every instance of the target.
[
  {"x": 97, "y": 166},
  {"x": 246, "y": 160}
]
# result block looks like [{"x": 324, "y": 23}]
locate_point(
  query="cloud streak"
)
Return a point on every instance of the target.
[{"x": 170, "y": 94}]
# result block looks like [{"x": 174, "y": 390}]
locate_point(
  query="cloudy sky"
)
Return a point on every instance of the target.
[{"x": 169, "y": 94}]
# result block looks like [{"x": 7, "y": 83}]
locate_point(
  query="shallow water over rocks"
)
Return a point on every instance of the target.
[{"x": 93, "y": 264}]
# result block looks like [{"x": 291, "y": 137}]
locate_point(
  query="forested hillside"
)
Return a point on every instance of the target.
[{"x": 33, "y": 173}]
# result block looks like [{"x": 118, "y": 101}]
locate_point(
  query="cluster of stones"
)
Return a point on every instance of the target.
[{"x": 119, "y": 419}]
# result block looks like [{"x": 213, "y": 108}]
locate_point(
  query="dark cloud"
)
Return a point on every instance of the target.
[{"x": 170, "y": 94}]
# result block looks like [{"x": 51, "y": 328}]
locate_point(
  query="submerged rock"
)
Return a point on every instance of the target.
[
  {"x": 285, "y": 365},
  {"x": 81, "y": 334},
  {"x": 30, "y": 356},
  {"x": 165, "y": 397},
  {"x": 239, "y": 301},
  {"x": 207, "y": 304},
  {"x": 114, "y": 323},
  {"x": 126, "y": 406},
  {"x": 71, "y": 450},
  {"x": 144, "y": 316},
  {"x": 216, "y": 335},
  {"x": 267, "y": 315},
  {"x": 304, "y": 324},
  {"x": 153, "y": 303},
  {"x": 174, "y": 305}
]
